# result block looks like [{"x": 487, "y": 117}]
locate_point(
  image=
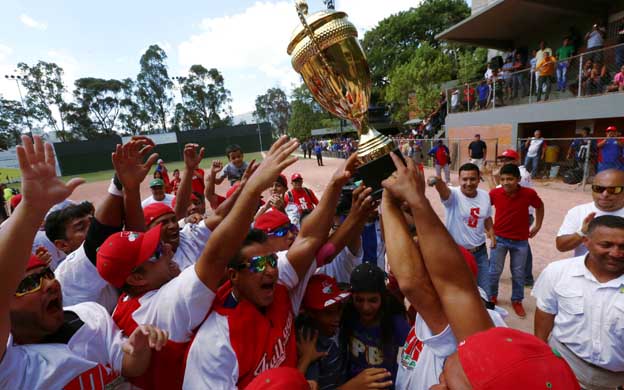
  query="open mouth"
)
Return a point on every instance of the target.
[
  {"x": 268, "y": 286},
  {"x": 54, "y": 305}
]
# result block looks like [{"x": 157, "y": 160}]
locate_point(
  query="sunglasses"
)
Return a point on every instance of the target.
[
  {"x": 32, "y": 283},
  {"x": 281, "y": 232},
  {"x": 259, "y": 263},
  {"x": 610, "y": 190}
]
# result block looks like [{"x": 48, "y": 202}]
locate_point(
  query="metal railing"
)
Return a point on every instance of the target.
[{"x": 587, "y": 74}]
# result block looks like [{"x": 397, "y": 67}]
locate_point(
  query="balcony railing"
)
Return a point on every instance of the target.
[{"x": 587, "y": 74}]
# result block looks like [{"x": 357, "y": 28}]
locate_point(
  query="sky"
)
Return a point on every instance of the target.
[{"x": 245, "y": 39}]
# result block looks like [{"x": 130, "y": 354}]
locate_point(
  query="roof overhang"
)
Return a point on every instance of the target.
[{"x": 499, "y": 24}]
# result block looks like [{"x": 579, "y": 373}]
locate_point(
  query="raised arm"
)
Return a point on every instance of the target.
[
  {"x": 443, "y": 190},
  {"x": 191, "y": 162},
  {"x": 457, "y": 290},
  {"x": 41, "y": 189},
  {"x": 407, "y": 266},
  {"x": 211, "y": 265},
  {"x": 209, "y": 191},
  {"x": 315, "y": 227}
]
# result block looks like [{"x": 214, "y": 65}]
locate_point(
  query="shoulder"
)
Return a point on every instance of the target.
[{"x": 561, "y": 267}]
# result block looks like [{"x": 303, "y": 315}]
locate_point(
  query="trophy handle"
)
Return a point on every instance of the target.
[{"x": 302, "y": 11}]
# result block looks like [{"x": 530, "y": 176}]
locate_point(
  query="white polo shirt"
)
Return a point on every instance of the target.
[
  {"x": 149, "y": 200},
  {"x": 589, "y": 315},
  {"x": 573, "y": 221},
  {"x": 465, "y": 217}
]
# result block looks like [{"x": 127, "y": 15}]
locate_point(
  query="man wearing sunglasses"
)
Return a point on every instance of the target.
[
  {"x": 251, "y": 327},
  {"x": 608, "y": 199},
  {"x": 42, "y": 344}
]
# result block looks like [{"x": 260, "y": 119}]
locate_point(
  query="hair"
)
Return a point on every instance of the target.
[
  {"x": 510, "y": 169},
  {"x": 56, "y": 222},
  {"x": 158, "y": 175},
  {"x": 587, "y": 129},
  {"x": 469, "y": 167},
  {"x": 254, "y": 236},
  {"x": 231, "y": 149},
  {"x": 609, "y": 221}
]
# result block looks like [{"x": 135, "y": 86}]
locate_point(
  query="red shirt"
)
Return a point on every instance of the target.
[
  {"x": 511, "y": 220},
  {"x": 304, "y": 198},
  {"x": 197, "y": 183}
]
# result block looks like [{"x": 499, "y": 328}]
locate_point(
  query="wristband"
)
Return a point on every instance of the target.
[
  {"x": 117, "y": 182},
  {"x": 580, "y": 233},
  {"x": 114, "y": 190}
]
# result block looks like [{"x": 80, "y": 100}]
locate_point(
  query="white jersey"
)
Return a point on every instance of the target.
[
  {"x": 81, "y": 282},
  {"x": 342, "y": 265},
  {"x": 42, "y": 240},
  {"x": 424, "y": 354},
  {"x": 212, "y": 362},
  {"x": 573, "y": 222},
  {"x": 193, "y": 239},
  {"x": 91, "y": 358},
  {"x": 149, "y": 200},
  {"x": 465, "y": 217}
]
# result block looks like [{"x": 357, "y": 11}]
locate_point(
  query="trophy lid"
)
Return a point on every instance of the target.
[{"x": 315, "y": 21}]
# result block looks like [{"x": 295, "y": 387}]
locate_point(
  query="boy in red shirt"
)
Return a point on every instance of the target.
[
  {"x": 512, "y": 203},
  {"x": 302, "y": 196}
]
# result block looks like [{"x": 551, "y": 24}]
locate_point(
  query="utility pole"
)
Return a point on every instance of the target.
[{"x": 17, "y": 79}]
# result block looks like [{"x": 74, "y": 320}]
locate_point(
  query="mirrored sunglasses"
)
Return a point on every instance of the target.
[
  {"x": 259, "y": 263},
  {"x": 32, "y": 283},
  {"x": 281, "y": 232}
]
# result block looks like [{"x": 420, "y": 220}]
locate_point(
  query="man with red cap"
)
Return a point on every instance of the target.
[
  {"x": 610, "y": 151},
  {"x": 486, "y": 357},
  {"x": 251, "y": 327},
  {"x": 42, "y": 344},
  {"x": 301, "y": 196},
  {"x": 77, "y": 273},
  {"x": 276, "y": 201}
]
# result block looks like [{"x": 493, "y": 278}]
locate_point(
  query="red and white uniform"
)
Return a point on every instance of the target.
[
  {"x": 238, "y": 342},
  {"x": 304, "y": 198},
  {"x": 178, "y": 307},
  {"x": 90, "y": 359},
  {"x": 193, "y": 238}
]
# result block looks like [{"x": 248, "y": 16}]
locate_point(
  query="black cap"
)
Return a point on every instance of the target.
[{"x": 367, "y": 277}]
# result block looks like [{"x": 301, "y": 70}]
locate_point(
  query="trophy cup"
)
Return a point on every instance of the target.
[{"x": 326, "y": 52}]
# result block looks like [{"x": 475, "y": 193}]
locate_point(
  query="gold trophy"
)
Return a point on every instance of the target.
[{"x": 326, "y": 52}]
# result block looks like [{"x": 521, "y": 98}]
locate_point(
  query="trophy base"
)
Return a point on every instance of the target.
[{"x": 376, "y": 171}]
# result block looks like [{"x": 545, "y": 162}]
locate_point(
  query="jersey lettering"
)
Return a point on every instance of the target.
[
  {"x": 373, "y": 355},
  {"x": 411, "y": 350},
  {"x": 279, "y": 350},
  {"x": 473, "y": 220},
  {"x": 97, "y": 378}
]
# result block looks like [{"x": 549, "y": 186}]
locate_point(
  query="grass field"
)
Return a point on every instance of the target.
[
  {"x": 9, "y": 174},
  {"x": 171, "y": 166}
]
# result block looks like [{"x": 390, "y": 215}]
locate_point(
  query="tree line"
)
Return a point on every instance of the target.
[{"x": 101, "y": 107}]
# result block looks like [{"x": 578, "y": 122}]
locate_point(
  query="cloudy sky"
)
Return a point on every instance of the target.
[{"x": 244, "y": 39}]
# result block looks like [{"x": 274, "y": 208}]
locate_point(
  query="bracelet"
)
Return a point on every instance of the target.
[{"x": 114, "y": 190}]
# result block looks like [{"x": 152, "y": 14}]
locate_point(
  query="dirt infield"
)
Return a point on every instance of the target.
[{"x": 557, "y": 203}]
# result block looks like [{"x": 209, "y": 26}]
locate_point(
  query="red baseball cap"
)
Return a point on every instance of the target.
[
  {"x": 271, "y": 220},
  {"x": 155, "y": 211},
  {"x": 322, "y": 292},
  {"x": 281, "y": 378},
  {"x": 505, "y": 358},
  {"x": 470, "y": 260},
  {"x": 123, "y": 252},
  {"x": 611, "y": 128},
  {"x": 510, "y": 153},
  {"x": 296, "y": 176},
  {"x": 15, "y": 200},
  {"x": 34, "y": 262}
]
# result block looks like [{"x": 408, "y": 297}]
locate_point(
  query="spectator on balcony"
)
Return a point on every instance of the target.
[
  {"x": 563, "y": 62},
  {"x": 483, "y": 92},
  {"x": 455, "y": 101},
  {"x": 618, "y": 82},
  {"x": 546, "y": 70},
  {"x": 518, "y": 77},
  {"x": 536, "y": 151},
  {"x": 442, "y": 160},
  {"x": 533, "y": 63},
  {"x": 541, "y": 53},
  {"x": 598, "y": 78},
  {"x": 489, "y": 72},
  {"x": 595, "y": 41},
  {"x": 469, "y": 97},
  {"x": 619, "y": 51},
  {"x": 506, "y": 77},
  {"x": 610, "y": 151}
]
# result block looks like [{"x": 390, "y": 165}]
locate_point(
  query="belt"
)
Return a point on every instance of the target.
[{"x": 476, "y": 248}]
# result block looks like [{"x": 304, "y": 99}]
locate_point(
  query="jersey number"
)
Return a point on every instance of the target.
[{"x": 473, "y": 220}]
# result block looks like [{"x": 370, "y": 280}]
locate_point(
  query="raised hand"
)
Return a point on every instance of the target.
[
  {"x": 41, "y": 188},
  {"x": 306, "y": 346},
  {"x": 216, "y": 167},
  {"x": 145, "y": 337},
  {"x": 362, "y": 204},
  {"x": 277, "y": 159},
  {"x": 128, "y": 161},
  {"x": 191, "y": 157},
  {"x": 345, "y": 171},
  {"x": 371, "y": 378},
  {"x": 407, "y": 183}
]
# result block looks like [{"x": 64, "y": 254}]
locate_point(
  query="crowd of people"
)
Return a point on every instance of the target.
[
  {"x": 518, "y": 72},
  {"x": 271, "y": 287}
]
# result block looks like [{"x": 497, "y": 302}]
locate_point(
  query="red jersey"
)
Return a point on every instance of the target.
[
  {"x": 175, "y": 184},
  {"x": 511, "y": 220},
  {"x": 197, "y": 183},
  {"x": 304, "y": 198}
]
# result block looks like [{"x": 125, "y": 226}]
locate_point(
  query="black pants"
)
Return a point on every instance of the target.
[{"x": 319, "y": 159}]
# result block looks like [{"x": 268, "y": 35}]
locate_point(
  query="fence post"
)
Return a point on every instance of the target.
[
  {"x": 586, "y": 164},
  {"x": 580, "y": 75},
  {"x": 531, "y": 77},
  {"x": 494, "y": 93}
]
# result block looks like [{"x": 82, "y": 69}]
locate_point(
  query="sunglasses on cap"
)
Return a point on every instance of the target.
[
  {"x": 259, "y": 263},
  {"x": 33, "y": 282},
  {"x": 610, "y": 190},
  {"x": 281, "y": 232}
]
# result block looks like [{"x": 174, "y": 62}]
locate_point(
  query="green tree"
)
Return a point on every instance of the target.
[
  {"x": 79, "y": 123},
  {"x": 273, "y": 107},
  {"x": 154, "y": 87},
  {"x": 133, "y": 118},
  {"x": 12, "y": 122},
  {"x": 206, "y": 100},
  {"x": 395, "y": 39},
  {"x": 44, "y": 93},
  {"x": 306, "y": 113},
  {"x": 422, "y": 76},
  {"x": 101, "y": 99},
  {"x": 472, "y": 65}
]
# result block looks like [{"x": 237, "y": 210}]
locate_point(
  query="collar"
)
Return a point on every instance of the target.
[{"x": 578, "y": 268}]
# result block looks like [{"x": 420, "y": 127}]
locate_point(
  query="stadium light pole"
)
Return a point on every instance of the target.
[
  {"x": 179, "y": 80},
  {"x": 259, "y": 136},
  {"x": 17, "y": 79}
]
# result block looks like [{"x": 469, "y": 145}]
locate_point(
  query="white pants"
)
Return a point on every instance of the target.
[
  {"x": 477, "y": 161},
  {"x": 447, "y": 172}
]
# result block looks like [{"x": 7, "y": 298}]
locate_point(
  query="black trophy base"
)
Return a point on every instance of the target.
[{"x": 376, "y": 171}]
